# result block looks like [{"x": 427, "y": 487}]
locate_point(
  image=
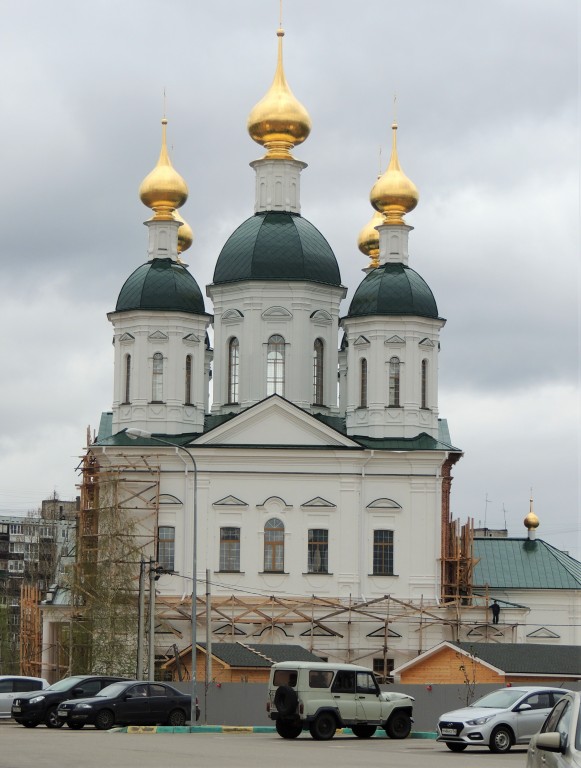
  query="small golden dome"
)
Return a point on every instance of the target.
[
  {"x": 393, "y": 194},
  {"x": 185, "y": 233},
  {"x": 279, "y": 121},
  {"x": 163, "y": 190},
  {"x": 531, "y": 521},
  {"x": 368, "y": 240}
]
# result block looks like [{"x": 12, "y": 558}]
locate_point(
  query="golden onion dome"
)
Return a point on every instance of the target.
[
  {"x": 531, "y": 521},
  {"x": 185, "y": 233},
  {"x": 368, "y": 240},
  {"x": 279, "y": 121},
  {"x": 393, "y": 194},
  {"x": 163, "y": 190}
]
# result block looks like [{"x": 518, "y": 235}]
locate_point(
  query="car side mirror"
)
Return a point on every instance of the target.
[
  {"x": 524, "y": 708},
  {"x": 78, "y": 692},
  {"x": 551, "y": 742}
]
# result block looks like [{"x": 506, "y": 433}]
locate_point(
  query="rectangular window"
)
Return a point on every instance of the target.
[
  {"x": 318, "y": 552},
  {"x": 383, "y": 669},
  {"x": 383, "y": 553},
  {"x": 16, "y": 528},
  {"x": 16, "y": 546},
  {"x": 166, "y": 547},
  {"x": 230, "y": 549}
]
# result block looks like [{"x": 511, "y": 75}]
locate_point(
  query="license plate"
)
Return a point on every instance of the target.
[
  {"x": 448, "y": 731},
  {"x": 62, "y": 712},
  {"x": 16, "y": 709}
]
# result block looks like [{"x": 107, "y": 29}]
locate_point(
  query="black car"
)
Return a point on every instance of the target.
[
  {"x": 132, "y": 702},
  {"x": 31, "y": 709}
]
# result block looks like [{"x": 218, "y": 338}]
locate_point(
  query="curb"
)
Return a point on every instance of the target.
[{"x": 147, "y": 729}]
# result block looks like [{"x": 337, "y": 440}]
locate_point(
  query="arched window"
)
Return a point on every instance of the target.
[
  {"x": 274, "y": 546},
  {"x": 318, "y": 395},
  {"x": 394, "y": 372},
  {"x": 127, "y": 398},
  {"x": 363, "y": 384},
  {"x": 157, "y": 378},
  {"x": 424, "y": 383},
  {"x": 233, "y": 370},
  {"x": 188, "y": 392},
  {"x": 275, "y": 366}
]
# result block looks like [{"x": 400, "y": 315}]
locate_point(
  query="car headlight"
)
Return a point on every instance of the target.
[
  {"x": 37, "y": 699},
  {"x": 479, "y": 720},
  {"x": 84, "y": 706}
]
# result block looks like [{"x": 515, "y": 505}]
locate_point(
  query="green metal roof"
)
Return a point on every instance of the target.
[
  {"x": 528, "y": 658},
  {"x": 422, "y": 442},
  {"x": 161, "y": 284},
  {"x": 393, "y": 289},
  {"x": 523, "y": 564},
  {"x": 277, "y": 246}
]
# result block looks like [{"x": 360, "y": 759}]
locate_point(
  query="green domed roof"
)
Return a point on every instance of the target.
[
  {"x": 393, "y": 289},
  {"x": 277, "y": 246},
  {"x": 161, "y": 284}
]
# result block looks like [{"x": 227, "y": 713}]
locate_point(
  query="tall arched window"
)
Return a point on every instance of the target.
[
  {"x": 127, "y": 398},
  {"x": 275, "y": 366},
  {"x": 274, "y": 546},
  {"x": 363, "y": 384},
  {"x": 424, "y": 383},
  {"x": 157, "y": 378},
  {"x": 233, "y": 370},
  {"x": 394, "y": 374},
  {"x": 318, "y": 394},
  {"x": 188, "y": 382}
]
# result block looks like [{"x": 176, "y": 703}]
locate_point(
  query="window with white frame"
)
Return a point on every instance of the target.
[
  {"x": 157, "y": 378},
  {"x": 166, "y": 535},
  {"x": 394, "y": 381},
  {"x": 275, "y": 361},
  {"x": 274, "y": 546},
  {"x": 233, "y": 369},
  {"x": 318, "y": 372},
  {"x": 127, "y": 396},
  {"x": 188, "y": 381},
  {"x": 424, "y": 383},
  {"x": 363, "y": 383},
  {"x": 230, "y": 549}
]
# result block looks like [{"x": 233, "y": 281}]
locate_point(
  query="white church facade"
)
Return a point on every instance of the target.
[{"x": 317, "y": 475}]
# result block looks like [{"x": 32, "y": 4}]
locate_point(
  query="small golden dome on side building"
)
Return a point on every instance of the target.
[
  {"x": 531, "y": 521},
  {"x": 185, "y": 233},
  {"x": 368, "y": 240},
  {"x": 163, "y": 190},
  {"x": 279, "y": 121},
  {"x": 393, "y": 194}
]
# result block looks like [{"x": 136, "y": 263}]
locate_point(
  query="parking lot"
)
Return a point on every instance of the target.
[{"x": 44, "y": 748}]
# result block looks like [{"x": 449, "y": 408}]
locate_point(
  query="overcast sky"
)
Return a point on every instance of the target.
[{"x": 487, "y": 104}]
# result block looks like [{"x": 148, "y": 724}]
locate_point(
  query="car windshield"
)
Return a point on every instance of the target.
[
  {"x": 66, "y": 684},
  {"x": 113, "y": 690},
  {"x": 499, "y": 699}
]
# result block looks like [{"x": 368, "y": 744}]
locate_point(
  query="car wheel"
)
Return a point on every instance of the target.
[
  {"x": 29, "y": 724},
  {"x": 285, "y": 700},
  {"x": 75, "y": 726},
  {"x": 104, "y": 720},
  {"x": 288, "y": 730},
  {"x": 363, "y": 731},
  {"x": 177, "y": 717},
  {"x": 500, "y": 739},
  {"x": 399, "y": 726},
  {"x": 323, "y": 727},
  {"x": 52, "y": 720},
  {"x": 456, "y": 746}
]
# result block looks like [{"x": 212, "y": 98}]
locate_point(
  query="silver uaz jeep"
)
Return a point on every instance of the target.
[{"x": 323, "y": 697}]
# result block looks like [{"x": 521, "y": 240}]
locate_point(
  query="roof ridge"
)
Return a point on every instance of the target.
[{"x": 253, "y": 649}]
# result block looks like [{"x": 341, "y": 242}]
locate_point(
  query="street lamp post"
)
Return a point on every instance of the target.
[{"x": 134, "y": 434}]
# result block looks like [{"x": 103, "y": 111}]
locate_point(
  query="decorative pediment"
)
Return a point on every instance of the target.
[
  {"x": 229, "y": 501},
  {"x": 168, "y": 498},
  {"x": 361, "y": 341},
  {"x": 227, "y": 629},
  {"x": 191, "y": 339},
  {"x": 158, "y": 336},
  {"x": 319, "y": 502},
  {"x": 318, "y": 631},
  {"x": 274, "y": 504},
  {"x": 380, "y": 632},
  {"x": 394, "y": 340},
  {"x": 232, "y": 316},
  {"x": 484, "y": 630},
  {"x": 544, "y": 632},
  {"x": 126, "y": 338},
  {"x": 321, "y": 317},
  {"x": 384, "y": 504},
  {"x": 276, "y": 313},
  {"x": 426, "y": 343},
  {"x": 275, "y": 421}
]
